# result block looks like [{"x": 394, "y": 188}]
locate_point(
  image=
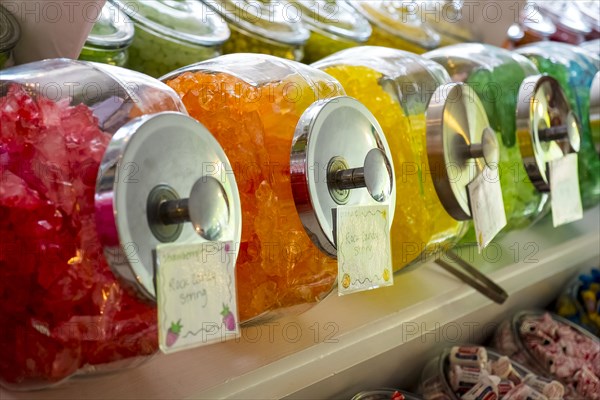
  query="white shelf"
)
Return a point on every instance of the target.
[{"x": 351, "y": 343}]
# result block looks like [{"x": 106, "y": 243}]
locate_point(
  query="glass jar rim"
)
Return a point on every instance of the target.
[
  {"x": 10, "y": 31},
  {"x": 217, "y": 33},
  {"x": 121, "y": 25},
  {"x": 356, "y": 27}
]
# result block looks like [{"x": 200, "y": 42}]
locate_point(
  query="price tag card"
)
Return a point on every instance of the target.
[
  {"x": 196, "y": 296},
  {"x": 487, "y": 206},
  {"x": 564, "y": 190},
  {"x": 363, "y": 248}
]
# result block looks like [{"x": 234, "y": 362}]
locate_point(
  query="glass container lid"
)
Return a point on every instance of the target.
[
  {"x": 112, "y": 30},
  {"x": 188, "y": 21},
  {"x": 539, "y": 23},
  {"x": 565, "y": 14},
  {"x": 267, "y": 19},
  {"x": 159, "y": 172},
  {"x": 10, "y": 32},
  {"x": 335, "y": 18},
  {"x": 399, "y": 19}
]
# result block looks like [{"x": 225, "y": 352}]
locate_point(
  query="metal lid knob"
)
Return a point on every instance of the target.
[
  {"x": 459, "y": 144},
  {"x": 339, "y": 156},
  {"x": 547, "y": 129},
  {"x": 148, "y": 163}
]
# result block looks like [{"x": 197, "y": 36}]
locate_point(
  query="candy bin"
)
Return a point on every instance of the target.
[
  {"x": 396, "y": 25},
  {"x": 553, "y": 347},
  {"x": 170, "y": 35},
  {"x": 9, "y": 36},
  {"x": 109, "y": 39},
  {"x": 523, "y": 108},
  {"x": 265, "y": 26},
  {"x": 288, "y": 128},
  {"x": 87, "y": 181},
  {"x": 386, "y": 394},
  {"x": 575, "y": 69},
  {"x": 475, "y": 372},
  {"x": 400, "y": 88},
  {"x": 580, "y": 301},
  {"x": 334, "y": 26}
]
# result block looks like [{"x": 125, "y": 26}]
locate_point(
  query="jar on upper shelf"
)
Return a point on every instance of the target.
[
  {"x": 172, "y": 34},
  {"x": 89, "y": 153},
  {"x": 10, "y": 32},
  {"x": 417, "y": 106},
  {"x": 110, "y": 38},
  {"x": 334, "y": 26},
  {"x": 520, "y": 104},
  {"x": 570, "y": 24},
  {"x": 446, "y": 17},
  {"x": 262, "y": 26},
  {"x": 536, "y": 27},
  {"x": 396, "y": 25},
  {"x": 575, "y": 69},
  {"x": 286, "y": 127}
]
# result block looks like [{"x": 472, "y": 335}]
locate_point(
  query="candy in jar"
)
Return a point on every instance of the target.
[
  {"x": 397, "y": 25},
  {"x": 260, "y": 108},
  {"x": 553, "y": 347},
  {"x": 523, "y": 107},
  {"x": 398, "y": 88},
  {"x": 265, "y": 26},
  {"x": 81, "y": 142},
  {"x": 110, "y": 38},
  {"x": 170, "y": 35},
  {"x": 334, "y": 26},
  {"x": 575, "y": 69}
]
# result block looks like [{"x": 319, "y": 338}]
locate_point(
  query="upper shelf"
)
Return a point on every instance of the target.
[{"x": 365, "y": 340}]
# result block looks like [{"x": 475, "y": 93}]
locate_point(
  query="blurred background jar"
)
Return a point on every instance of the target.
[
  {"x": 589, "y": 11},
  {"x": 397, "y": 24},
  {"x": 575, "y": 69},
  {"x": 110, "y": 38},
  {"x": 497, "y": 76},
  {"x": 531, "y": 29},
  {"x": 170, "y": 35},
  {"x": 9, "y": 36},
  {"x": 263, "y": 26},
  {"x": 446, "y": 17},
  {"x": 399, "y": 88},
  {"x": 334, "y": 26},
  {"x": 285, "y": 126},
  {"x": 571, "y": 26},
  {"x": 77, "y": 264}
]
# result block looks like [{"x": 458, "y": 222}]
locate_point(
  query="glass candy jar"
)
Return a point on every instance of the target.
[
  {"x": 172, "y": 34},
  {"x": 285, "y": 126},
  {"x": 396, "y": 25},
  {"x": 447, "y": 18},
  {"x": 109, "y": 39},
  {"x": 571, "y": 27},
  {"x": 86, "y": 151},
  {"x": 411, "y": 98},
  {"x": 334, "y": 26},
  {"x": 10, "y": 33},
  {"x": 575, "y": 69},
  {"x": 262, "y": 26},
  {"x": 521, "y": 106}
]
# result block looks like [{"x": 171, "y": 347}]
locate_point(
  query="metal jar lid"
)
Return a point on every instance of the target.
[
  {"x": 339, "y": 156},
  {"x": 112, "y": 30},
  {"x": 187, "y": 21},
  {"x": 264, "y": 18},
  {"x": 159, "y": 172},
  {"x": 334, "y": 18},
  {"x": 10, "y": 32},
  {"x": 595, "y": 111},
  {"x": 546, "y": 127},
  {"x": 460, "y": 143}
]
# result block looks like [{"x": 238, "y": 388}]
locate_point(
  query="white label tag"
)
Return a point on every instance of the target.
[
  {"x": 363, "y": 248},
  {"x": 196, "y": 295},
  {"x": 564, "y": 190},
  {"x": 487, "y": 206}
]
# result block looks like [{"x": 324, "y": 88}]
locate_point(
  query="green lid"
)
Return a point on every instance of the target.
[
  {"x": 9, "y": 30},
  {"x": 334, "y": 18},
  {"x": 273, "y": 20},
  {"x": 399, "y": 19},
  {"x": 189, "y": 21},
  {"x": 112, "y": 30}
]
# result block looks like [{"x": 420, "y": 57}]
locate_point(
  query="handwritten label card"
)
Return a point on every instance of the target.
[
  {"x": 363, "y": 248},
  {"x": 196, "y": 295},
  {"x": 487, "y": 206},
  {"x": 564, "y": 190}
]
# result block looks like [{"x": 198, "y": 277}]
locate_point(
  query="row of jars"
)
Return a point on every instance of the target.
[{"x": 100, "y": 165}]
